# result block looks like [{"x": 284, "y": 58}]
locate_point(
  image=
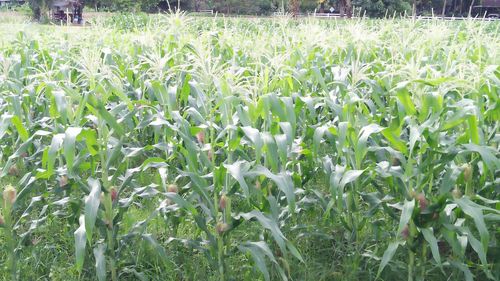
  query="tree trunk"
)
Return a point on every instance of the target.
[
  {"x": 295, "y": 7},
  {"x": 39, "y": 9},
  {"x": 470, "y": 8},
  {"x": 444, "y": 9},
  {"x": 348, "y": 7},
  {"x": 414, "y": 10},
  {"x": 196, "y": 5}
]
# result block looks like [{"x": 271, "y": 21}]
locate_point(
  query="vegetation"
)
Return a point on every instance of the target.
[
  {"x": 179, "y": 148},
  {"x": 371, "y": 8}
]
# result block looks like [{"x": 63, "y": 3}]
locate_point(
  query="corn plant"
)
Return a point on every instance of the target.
[{"x": 225, "y": 149}]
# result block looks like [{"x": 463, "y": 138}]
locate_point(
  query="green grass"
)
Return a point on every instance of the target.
[{"x": 347, "y": 150}]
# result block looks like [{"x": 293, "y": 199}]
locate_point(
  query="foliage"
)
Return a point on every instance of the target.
[
  {"x": 39, "y": 8},
  {"x": 183, "y": 148},
  {"x": 381, "y": 8}
]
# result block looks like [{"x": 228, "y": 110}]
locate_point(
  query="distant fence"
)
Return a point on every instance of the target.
[
  {"x": 492, "y": 17},
  {"x": 458, "y": 18},
  {"x": 11, "y": 2},
  {"x": 325, "y": 15},
  {"x": 314, "y": 14},
  {"x": 206, "y": 12}
]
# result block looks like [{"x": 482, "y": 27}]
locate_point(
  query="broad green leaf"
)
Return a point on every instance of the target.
[
  {"x": 110, "y": 119},
  {"x": 5, "y": 121},
  {"x": 282, "y": 180},
  {"x": 69, "y": 147},
  {"x": 100, "y": 261},
  {"x": 405, "y": 215},
  {"x": 350, "y": 176},
  {"x": 238, "y": 170},
  {"x": 394, "y": 139},
  {"x": 21, "y": 130},
  {"x": 473, "y": 210},
  {"x": 254, "y": 136},
  {"x": 80, "y": 243},
  {"x": 463, "y": 267},
  {"x": 92, "y": 206},
  {"x": 361, "y": 147},
  {"x": 158, "y": 249},
  {"x": 57, "y": 141},
  {"x": 473, "y": 129},
  {"x": 387, "y": 257},
  {"x": 269, "y": 224},
  {"x": 405, "y": 99},
  {"x": 487, "y": 154},
  {"x": 259, "y": 250},
  {"x": 431, "y": 239}
]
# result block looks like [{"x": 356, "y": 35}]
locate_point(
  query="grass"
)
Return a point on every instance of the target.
[{"x": 170, "y": 147}]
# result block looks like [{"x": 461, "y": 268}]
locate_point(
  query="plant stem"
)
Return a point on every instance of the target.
[
  {"x": 422, "y": 262},
  {"x": 10, "y": 241},
  {"x": 108, "y": 203},
  {"x": 411, "y": 264},
  {"x": 109, "y": 231}
]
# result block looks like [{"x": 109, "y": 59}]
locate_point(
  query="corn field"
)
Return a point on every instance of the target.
[{"x": 179, "y": 148}]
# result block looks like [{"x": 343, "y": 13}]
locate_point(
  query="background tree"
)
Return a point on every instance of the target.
[
  {"x": 345, "y": 7},
  {"x": 322, "y": 5},
  {"x": 39, "y": 9},
  {"x": 381, "y": 8},
  {"x": 372, "y": 8},
  {"x": 294, "y": 7}
]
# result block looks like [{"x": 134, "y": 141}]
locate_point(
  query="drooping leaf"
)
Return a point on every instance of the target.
[
  {"x": 92, "y": 206},
  {"x": 387, "y": 257},
  {"x": 100, "y": 261}
]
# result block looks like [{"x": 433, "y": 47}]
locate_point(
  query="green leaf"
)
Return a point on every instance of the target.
[
  {"x": 405, "y": 99},
  {"x": 474, "y": 211},
  {"x": 388, "y": 254},
  {"x": 271, "y": 151},
  {"x": 350, "y": 176},
  {"x": 394, "y": 139},
  {"x": 80, "y": 243},
  {"x": 237, "y": 170},
  {"x": 5, "y": 121},
  {"x": 282, "y": 180},
  {"x": 405, "y": 215},
  {"x": 181, "y": 202},
  {"x": 69, "y": 147},
  {"x": 57, "y": 141},
  {"x": 269, "y": 224},
  {"x": 158, "y": 249},
  {"x": 361, "y": 148},
  {"x": 92, "y": 206},
  {"x": 259, "y": 250},
  {"x": 487, "y": 154},
  {"x": 473, "y": 129},
  {"x": 317, "y": 138},
  {"x": 254, "y": 136},
  {"x": 463, "y": 267},
  {"x": 429, "y": 237},
  {"x": 100, "y": 262},
  {"x": 110, "y": 120},
  {"x": 21, "y": 130}
]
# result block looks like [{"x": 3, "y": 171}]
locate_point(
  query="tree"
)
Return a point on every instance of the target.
[
  {"x": 345, "y": 8},
  {"x": 322, "y": 6},
  {"x": 380, "y": 8},
  {"x": 295, "y": 7},
  {"x": 414, "y": 9},
  {"x": 39, "y": 8}
]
